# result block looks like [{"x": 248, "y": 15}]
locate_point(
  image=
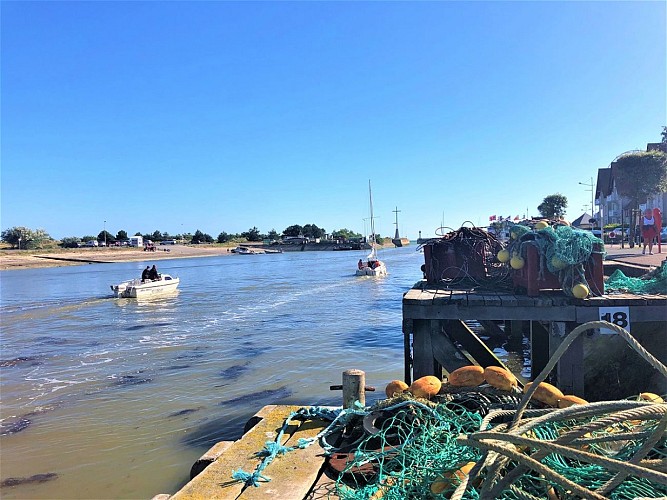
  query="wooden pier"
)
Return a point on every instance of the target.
[
  {"x": 297, "y": 475},
  {"x": 437, "y": 336}
]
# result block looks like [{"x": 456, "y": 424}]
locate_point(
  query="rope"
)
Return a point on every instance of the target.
[{"x": 496, "y": 463}]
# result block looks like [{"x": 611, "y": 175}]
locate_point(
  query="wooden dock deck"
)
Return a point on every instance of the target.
[
  {"x": 295, "y": 475},
  {"x": 437, "y": 336}
]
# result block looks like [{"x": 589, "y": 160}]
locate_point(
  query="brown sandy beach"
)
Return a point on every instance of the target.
[{"x": 25, "y": 259}]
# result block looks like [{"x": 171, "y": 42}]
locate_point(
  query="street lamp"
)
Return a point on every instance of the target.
[
  {"x": 591, "y": 185},
  {"x": 105, "y": 234}
]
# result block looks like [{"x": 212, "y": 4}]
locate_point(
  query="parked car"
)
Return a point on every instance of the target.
[
  {"x": 92, "y": 243},
  {"x": 168, "y": 242}
]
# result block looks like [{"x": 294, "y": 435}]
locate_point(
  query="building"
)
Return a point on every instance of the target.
[{"x": 615, "y": 209}]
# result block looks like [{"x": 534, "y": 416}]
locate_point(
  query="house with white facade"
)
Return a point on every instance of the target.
[{"x": 615, "y": 209}]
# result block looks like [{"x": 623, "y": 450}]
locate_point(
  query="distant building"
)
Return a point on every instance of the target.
[{"x": 583, "y": 222}]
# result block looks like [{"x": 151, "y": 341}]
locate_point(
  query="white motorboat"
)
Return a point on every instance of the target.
[
  {"x": 373, "y": 266},
  {"x": 247, "y": 251},
  {"x": 137, "y": 288}
]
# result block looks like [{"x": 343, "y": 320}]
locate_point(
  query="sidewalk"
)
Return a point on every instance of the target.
[{"x": 634, "y": 255}]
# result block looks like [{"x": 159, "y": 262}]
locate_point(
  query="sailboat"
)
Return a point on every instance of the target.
[
  {"x": 398, "y": 241},
  {"x": 373, "y": 266}
]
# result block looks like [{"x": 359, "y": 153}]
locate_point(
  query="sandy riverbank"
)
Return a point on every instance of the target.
[{"x": 22, "y": 259}]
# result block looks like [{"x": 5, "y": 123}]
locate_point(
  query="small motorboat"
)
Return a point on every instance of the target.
[
  {"x": 138, "y": 288},
  {"x": 247, "y": 251}
]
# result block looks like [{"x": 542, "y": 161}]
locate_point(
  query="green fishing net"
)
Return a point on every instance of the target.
[
  {"x": 417, "y": 450},
  {"x": 563, "y": 251},
  {"x": 654, "y": 282}
]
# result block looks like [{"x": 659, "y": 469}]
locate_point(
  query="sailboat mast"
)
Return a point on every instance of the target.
[{"x": 370, "y": 196}]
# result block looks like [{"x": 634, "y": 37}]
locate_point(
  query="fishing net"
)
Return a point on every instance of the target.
[
  {"x": 415, "y": 450},
  {"x": 654, "y": 282},
  {"x": 563, "y": 251},
  {"x": 465, "y": 258},
  {"x": 486, "y": 443}
]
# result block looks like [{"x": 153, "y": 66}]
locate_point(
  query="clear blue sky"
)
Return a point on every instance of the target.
[{"x": 221, "y": 116}]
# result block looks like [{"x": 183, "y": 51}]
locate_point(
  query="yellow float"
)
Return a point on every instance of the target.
[
  {"x": 580, "y": 291},
  {"x": 504, "y": 255},
  {"x": 517, "y": 262}
]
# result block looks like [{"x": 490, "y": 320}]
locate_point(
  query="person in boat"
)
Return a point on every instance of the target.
[
  {"x": 146, "y": 273},
  {"x": 360, "y": 265},
  {"x": 152, "y": 274}
]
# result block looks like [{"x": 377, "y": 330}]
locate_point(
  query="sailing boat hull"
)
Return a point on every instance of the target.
[
  {"x": 380, "y": 270},
  {"x": 400, "y": 242}
]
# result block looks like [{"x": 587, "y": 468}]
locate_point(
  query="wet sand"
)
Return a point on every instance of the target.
[{"x": 21, "y": 259}]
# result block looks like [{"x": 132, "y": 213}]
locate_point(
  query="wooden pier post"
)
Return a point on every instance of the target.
[{"x": 354, "y": 387}]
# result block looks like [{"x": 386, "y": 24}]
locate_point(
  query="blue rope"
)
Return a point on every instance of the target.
[{"x": 338, "y": 417}]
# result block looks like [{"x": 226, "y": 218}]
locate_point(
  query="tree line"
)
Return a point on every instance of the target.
[{"x": 26, "y": 238}]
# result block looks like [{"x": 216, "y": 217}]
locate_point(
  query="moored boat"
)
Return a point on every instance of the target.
[
  {"x": 249, "y": 251},
  {"x": 137, "y": 288}
]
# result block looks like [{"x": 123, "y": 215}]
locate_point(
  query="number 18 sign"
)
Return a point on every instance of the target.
[{"x": 619, "y": 316}]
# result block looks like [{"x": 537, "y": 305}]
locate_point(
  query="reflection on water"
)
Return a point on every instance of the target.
[{"x": 116, "y": 398}]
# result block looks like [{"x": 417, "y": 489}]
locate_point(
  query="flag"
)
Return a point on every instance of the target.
[{"x": 493, "y": 217}]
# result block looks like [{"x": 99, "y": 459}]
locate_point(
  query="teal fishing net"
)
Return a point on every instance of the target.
[
  {"x": 465, "y": 445},
  {"x": 425, "y": 451},
  {"x": 563, "y": 251},
  {"x": 654, "y": 282}
]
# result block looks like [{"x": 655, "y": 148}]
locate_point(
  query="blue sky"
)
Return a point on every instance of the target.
[{"x": 221, "y": 116}]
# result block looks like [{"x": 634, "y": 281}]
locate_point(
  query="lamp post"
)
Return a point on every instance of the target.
[
  {"x": 591, "y": 186},
  {"x": 105, "y": 234},
  {"x": 19, "y": 243}
]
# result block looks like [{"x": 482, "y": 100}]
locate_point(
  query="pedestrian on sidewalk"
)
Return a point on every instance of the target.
[{"x": 648, "y": 230}]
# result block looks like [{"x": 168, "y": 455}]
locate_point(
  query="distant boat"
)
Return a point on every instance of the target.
[
  {"x": 373, "y": 266},
  {"x": 247, "y": 251},
  {"x": 398, "y": 241}
]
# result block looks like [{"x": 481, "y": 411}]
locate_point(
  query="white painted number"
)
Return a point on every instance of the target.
[{"x": 619, "y": 316}]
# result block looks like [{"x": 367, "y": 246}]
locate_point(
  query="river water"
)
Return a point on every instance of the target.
[{"x": 117, "y": 398}]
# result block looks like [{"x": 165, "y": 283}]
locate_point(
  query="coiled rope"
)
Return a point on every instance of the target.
[{"x": 500, "y": 446}]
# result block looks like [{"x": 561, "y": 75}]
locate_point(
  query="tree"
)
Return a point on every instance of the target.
[
  {"x": 70, "y": 242},
  {"x": 273, "y": 235},
  {"x": 25, "y": 238},
  {"x": 312, "y": 231},
  {"x": 121, "y": 235},
  {"x": 664, "y": 135},
  {"x": 294, "y": 230},
  {"x": 109, "y": 237},
  {"x": 345, "y": 234},
  {"x": 15, "y": 235},
  {"x": 252, "y": 234},
  {"x": 198, "y": 237},
  {"x": 640, "y": 175},
  {"x": 553, "y": 206},
  {"x": 156, "y": 236},
  {"x": 223, "y": 237}
]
